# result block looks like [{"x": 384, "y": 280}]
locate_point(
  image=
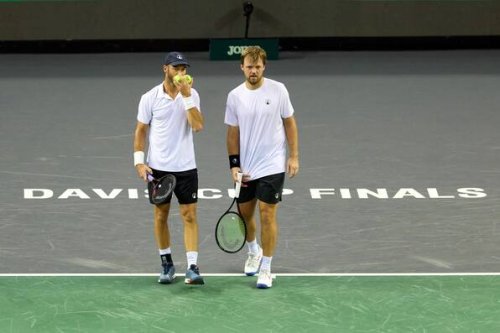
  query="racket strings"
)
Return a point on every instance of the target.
[
  {"x": 231, "y": 232},
  {"x": 161, "y": 192},
  {"x": 162, "y": 188}
]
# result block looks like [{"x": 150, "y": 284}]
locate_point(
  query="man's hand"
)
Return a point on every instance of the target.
[
  {"x": 184, "y": 86},
  {"x": 143, "y": 170},
  {"x": 234, "y": 174},
  {"x": 292, "y": 166}
]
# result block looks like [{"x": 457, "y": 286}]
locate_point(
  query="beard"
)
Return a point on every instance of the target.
[{"x": 254, "y": 80}]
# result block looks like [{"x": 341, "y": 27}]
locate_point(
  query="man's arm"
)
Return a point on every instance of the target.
[
  {"x": 194, "y": 116},
  {"x": 140, "y": 133},
  {"x": 233, "y": 148},
  {"x": 292, "y": 138},
  {"x": 195, "y": 119},
  {"x": 233, "y": 140}
]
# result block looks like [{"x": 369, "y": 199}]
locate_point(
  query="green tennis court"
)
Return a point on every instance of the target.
[{"x": 233, "y": 304}]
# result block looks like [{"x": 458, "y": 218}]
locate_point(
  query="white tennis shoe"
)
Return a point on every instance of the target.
[
  {"x": 265, "y": 279},
  {"x": 253, "y": 263}
]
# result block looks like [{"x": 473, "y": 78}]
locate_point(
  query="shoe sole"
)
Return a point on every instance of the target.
[
  {"x": 166, "y": 281},
  {"x": 194, "y": 282},
  {"x": 263, "y": 286}
]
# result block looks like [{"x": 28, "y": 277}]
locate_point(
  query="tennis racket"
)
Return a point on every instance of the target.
[
  {"x": 160, "y": 189},
  {"x": 231, "y": 231}
]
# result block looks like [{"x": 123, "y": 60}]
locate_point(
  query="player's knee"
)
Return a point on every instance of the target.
[
  {"x": 188, "y": 216},
  {"x": 267, "y": 217}
]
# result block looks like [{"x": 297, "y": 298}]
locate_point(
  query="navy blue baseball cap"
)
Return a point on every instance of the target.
[{"x": 175, "y": 58}]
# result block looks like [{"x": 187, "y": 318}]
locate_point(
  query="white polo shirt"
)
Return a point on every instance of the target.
[
  {"x": 259, "y": 115},
  {"x": 171, "y": 146}
]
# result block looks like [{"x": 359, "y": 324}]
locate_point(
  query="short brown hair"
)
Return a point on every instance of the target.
[{"x": 255, "y": 53}]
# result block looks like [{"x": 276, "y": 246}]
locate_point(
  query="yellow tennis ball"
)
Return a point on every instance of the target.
[
  {"x": 177, "y": 79},
  {"x": 189, "y": 79}
]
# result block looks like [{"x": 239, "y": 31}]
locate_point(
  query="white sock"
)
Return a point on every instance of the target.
[
  {"x": 253, "y": 246},
  {"x": 266, "y": 263},
  {"x": 165, "y": 251},
  {"x": 192, "y": 258}
]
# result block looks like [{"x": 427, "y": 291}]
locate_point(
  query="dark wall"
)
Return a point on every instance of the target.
[{"x": 189, "y": 19}]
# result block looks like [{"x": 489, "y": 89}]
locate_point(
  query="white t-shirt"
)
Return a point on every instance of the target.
[
  {"x": 259, "y": 115},
  {"x": 171, "y": 146}
]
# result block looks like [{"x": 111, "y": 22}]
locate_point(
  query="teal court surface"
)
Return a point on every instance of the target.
[{"x": 398, "y": 303}]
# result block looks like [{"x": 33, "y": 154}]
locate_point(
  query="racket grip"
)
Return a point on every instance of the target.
[
  {"x": 237, "y": 188},
  {"x": 150, "y": 177}
]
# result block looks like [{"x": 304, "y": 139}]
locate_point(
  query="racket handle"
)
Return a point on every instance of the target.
[{"x": 237, "y": 188}]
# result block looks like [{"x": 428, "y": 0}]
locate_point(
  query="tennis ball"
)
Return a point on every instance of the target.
[{"x": 187, "y": 78}]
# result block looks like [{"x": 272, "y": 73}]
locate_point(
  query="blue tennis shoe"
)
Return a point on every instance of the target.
[
  {"x": 167, "y": 274},
  {"x": 193, "y": 276}
]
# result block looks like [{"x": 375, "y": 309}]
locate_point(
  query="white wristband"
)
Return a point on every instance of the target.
[
  {"x": 138, "y": 157},
  {"x": 188, "y": 102}
]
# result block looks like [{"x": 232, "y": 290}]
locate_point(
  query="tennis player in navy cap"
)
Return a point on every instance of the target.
[{"x": 168, "y": 114}]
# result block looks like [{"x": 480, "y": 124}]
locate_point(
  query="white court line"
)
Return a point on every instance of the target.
[{"x": 242, "y": 275}]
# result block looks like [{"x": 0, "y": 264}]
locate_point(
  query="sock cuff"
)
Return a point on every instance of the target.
[
  {"x": 192, "y": 258},
  {"x": 165, "y": 251}
]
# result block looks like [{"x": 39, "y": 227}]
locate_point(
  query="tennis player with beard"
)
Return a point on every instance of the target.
[
  {"x": 261, "y": 123},
  {"x": 170, "y": 113}
]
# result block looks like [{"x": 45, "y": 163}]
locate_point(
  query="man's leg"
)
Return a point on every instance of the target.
[
  {"x": 252, "y": 263},
  {"x": 162, "y": 235},
  {"x": 269, "y": 227},
  {"x": 189, "y": 219},
  {"x": 269, "y": 236},
  {"x": 247, "y": 210}
]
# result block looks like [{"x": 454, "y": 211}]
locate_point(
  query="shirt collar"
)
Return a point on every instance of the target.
[{"x": 162, "y": 94}]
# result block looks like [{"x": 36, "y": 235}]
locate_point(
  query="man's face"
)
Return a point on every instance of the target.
[
  {"x": 254, "y": 71},
  {"x": 171, "y": 71}
]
